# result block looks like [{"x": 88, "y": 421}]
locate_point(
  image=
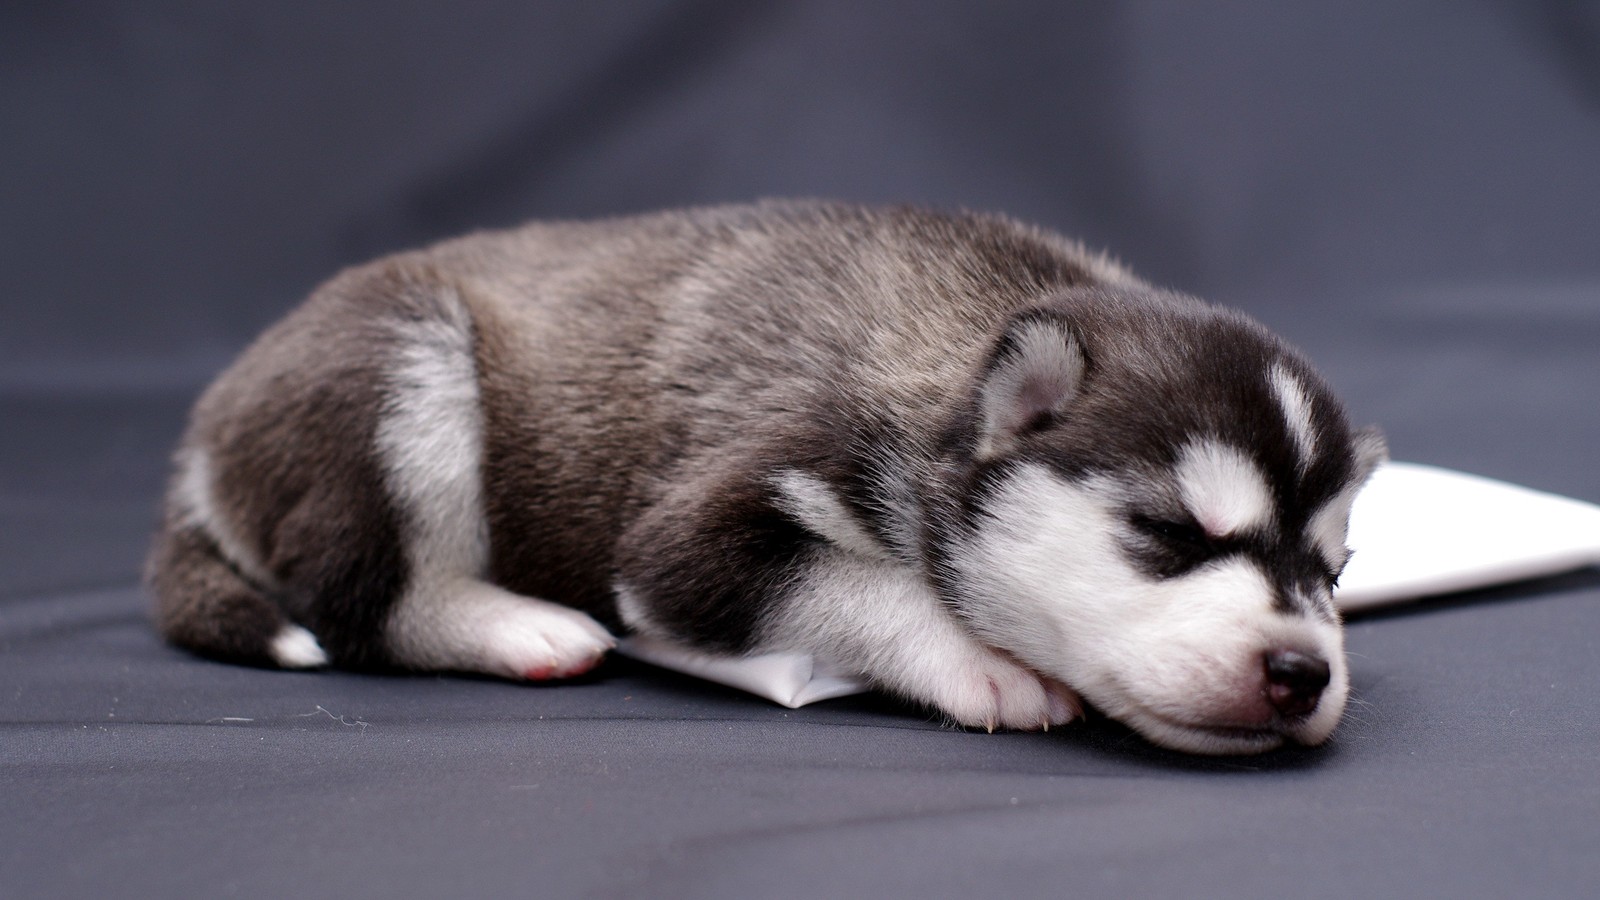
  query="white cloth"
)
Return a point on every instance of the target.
[{"x": 1416, "y": 531}]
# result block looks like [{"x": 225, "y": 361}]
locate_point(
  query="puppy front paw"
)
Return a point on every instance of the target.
[{"x": 989, "y": 691}]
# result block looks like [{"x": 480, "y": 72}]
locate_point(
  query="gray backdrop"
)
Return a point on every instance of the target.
[{"x": 1409, "y": 190}]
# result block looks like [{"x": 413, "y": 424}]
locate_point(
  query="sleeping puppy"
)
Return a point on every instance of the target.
[{"x": 957, "y": 455}]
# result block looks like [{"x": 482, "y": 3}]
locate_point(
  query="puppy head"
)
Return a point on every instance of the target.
[{"x": 1152, "y": 508}]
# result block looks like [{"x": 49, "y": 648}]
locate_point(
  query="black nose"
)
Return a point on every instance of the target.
[{"x": 1295, "y": 681}]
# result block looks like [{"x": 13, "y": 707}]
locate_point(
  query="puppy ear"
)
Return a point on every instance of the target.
[
  {"x": 1034, "y": 372},
  {"x": 1371, "y": 451}
]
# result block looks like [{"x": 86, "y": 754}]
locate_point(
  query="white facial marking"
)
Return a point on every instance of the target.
[
  {"x": 814, "y": 505},
  {"x": 1329, "y": 527},
  {"x": 294, "y": 647},
  {"x": 1179, "y": 659},
  {"x": 1295, "y": 405},
  {"x": 1224, "y": 490}
]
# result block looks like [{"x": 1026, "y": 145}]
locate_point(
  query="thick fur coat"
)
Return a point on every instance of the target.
[{"x": 958, "y": 455}]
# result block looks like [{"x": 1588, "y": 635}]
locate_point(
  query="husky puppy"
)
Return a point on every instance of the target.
[{"x": 980, "y": 467}]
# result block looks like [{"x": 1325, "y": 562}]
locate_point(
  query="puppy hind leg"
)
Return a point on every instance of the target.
[
  {"x": 468, "y": 625},
  {"x": 430, "y": 445}
]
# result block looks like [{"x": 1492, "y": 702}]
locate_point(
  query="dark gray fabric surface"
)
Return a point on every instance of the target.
[{"x": 1410, "y": 191}]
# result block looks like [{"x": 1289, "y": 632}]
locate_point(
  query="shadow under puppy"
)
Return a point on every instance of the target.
[{"x": 958, "y": 455}]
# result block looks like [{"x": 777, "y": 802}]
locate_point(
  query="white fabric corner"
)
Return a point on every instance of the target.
[
  {"x": 1419, "y": 530},
  {"x": 1416, "y": 530},
  {"x": 787, "y": 679}
]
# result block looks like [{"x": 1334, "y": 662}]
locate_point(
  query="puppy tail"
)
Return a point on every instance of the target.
[{"x": 203, "y": 603}]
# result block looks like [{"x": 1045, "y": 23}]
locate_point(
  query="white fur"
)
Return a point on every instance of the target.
[
  {"x": 196, "y": 500},
  {"x": 1329, "y": 527},
  {"x": 633, "y": 611},
  {"x": 1224, "y": 490},
  {"x": 1295, "y": 405},
  {"x": 467, "y": 625},
  {"x": 880, "y": 619},
  {"x": 810, "y": 501},
  {"x": 294, "y": 647},
  {"x": 430, "y": 443},
  {"x": 1178, "y": 659}
]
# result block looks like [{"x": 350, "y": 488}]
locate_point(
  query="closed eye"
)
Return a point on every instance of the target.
[
  {"x": 1180, "y": 534},
  {"x": 1168, "y": 546}
]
